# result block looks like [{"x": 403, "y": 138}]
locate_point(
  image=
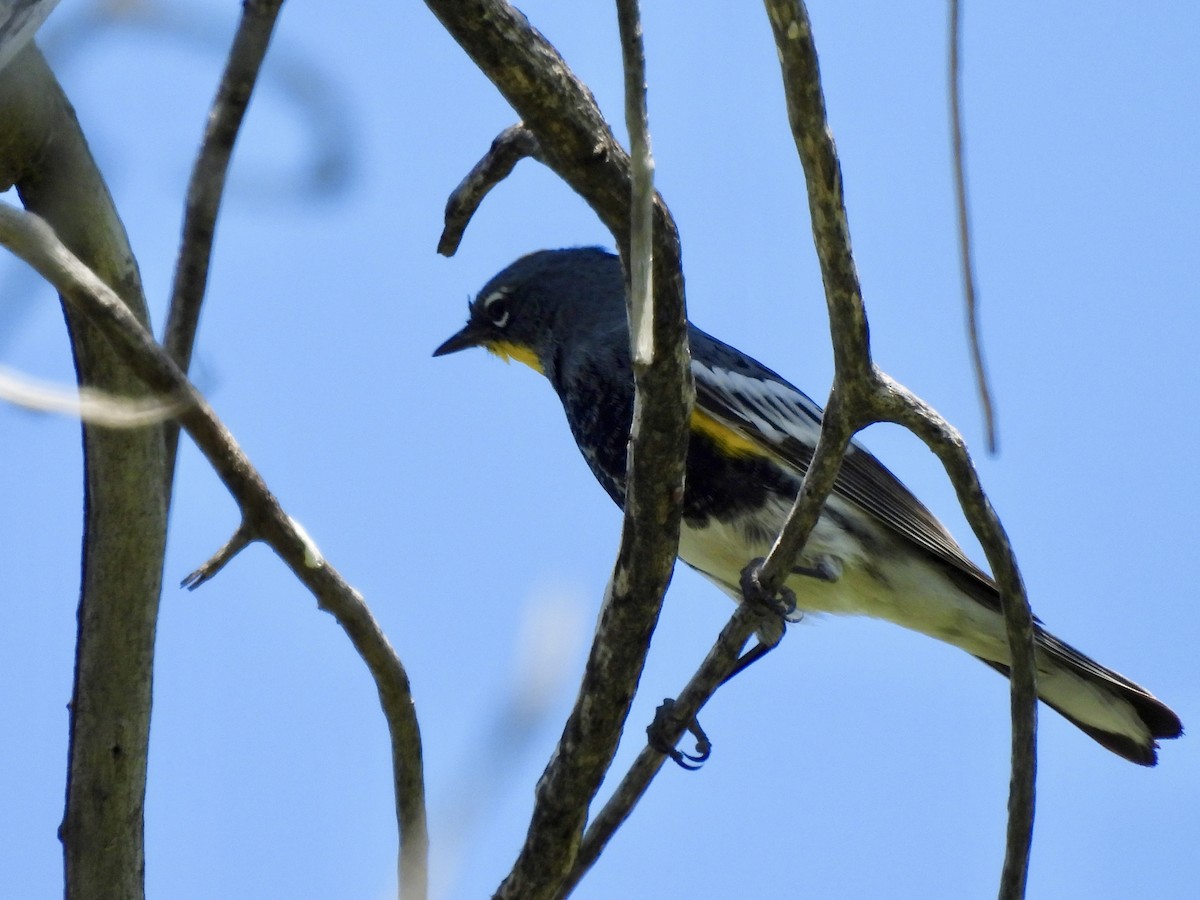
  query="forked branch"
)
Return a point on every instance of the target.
[
  {"x": 262, "y": 516},
  {"x": 870, "y": 396}
]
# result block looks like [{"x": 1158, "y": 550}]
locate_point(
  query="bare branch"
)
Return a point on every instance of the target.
[
  {"x": 862, "y": 394},
  {"x": 823, "y": 175},
  {"x": 964, "y": 228},
  {"x": 207, "y": 186},
  {"x": 846, "y": 410},
  {"x": 34, "y": 241},
  {"x": 511, "y": 146},
  {"x": 578, "y": 145},
  {"x": 896, "y": 404},
  {"x": 575, "y": 139},
  {"x": 837, "y": 428},
  {"x": 603, "y": 693}
]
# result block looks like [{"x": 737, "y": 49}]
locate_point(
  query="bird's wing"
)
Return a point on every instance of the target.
[{"x": 766, "y": 411}]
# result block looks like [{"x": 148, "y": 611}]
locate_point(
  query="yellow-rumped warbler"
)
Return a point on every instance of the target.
[{"x": 562, "y": 312}]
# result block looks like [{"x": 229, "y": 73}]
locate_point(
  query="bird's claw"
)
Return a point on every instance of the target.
[
  {"x": 782, "y": 603},
  {"x": 657, "y": 729}
]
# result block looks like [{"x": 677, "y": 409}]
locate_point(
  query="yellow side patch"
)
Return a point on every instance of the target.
[
  {"x": 509, "y": 351},
  {"x": 727, "y": 439}
]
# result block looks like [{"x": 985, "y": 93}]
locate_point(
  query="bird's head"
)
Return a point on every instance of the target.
[{"x": 540, "y": 302}]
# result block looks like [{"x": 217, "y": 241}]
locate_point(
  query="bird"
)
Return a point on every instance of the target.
[{"x": 876, "y": 549}]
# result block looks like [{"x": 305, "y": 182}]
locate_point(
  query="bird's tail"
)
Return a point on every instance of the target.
[{"x": 1112, "y": 710}]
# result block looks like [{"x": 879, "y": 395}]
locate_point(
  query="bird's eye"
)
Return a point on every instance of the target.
[{"x": 495, "y": 307}]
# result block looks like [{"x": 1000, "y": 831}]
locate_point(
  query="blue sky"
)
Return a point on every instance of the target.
[{"x": 858, "y": 760}]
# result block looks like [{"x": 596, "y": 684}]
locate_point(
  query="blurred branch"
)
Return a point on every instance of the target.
[
  {"x": 206, "y": 188},
  {"x": 44, "y": 154},
  {"x": 34, "y": 241},
  {"x": 862, "y": 394},
  {"x": 964, "y": 228},
  {"x": 90, "y": 405},
  {"x": 295, "y": 76},
  {"x": 577, "y": 143}
]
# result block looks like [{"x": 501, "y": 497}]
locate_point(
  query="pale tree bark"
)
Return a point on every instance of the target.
[{"x": 43, "y": 152}]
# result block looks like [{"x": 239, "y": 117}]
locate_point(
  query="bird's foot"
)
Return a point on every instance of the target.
[
  {"x": 664, "y": 723},
  {"x": 782, "y": 603}
]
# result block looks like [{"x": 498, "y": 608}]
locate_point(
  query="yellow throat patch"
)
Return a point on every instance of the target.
[{"x": 509, "y": 351}]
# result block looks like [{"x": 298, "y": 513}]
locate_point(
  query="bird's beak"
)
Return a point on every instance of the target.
[{"x": 469, "y": 336}]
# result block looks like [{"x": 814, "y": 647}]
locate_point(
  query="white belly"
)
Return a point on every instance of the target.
[{"x": 895, "y": 581}]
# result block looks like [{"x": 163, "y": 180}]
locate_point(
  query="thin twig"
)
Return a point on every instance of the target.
[
  {"x": 640, "y": 261},
  {"x": 511, "y": 146},
  {"x": 896, "y": 404},
  {"x": 30, "y": 238},
  {"x": 826, "y": 202},
  {"x": 837, "y": 428},
  {"x": 575, "y": 139},
  {"x": 846, "y": 410},
  {"x": 207, "y": 187},
  {"x": 236, "y": 544},
  {"x": 964, "y": 229},
  {"x": 720, "y": 661}
]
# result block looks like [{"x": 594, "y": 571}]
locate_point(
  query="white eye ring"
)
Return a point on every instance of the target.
[{"x": 491, "y": 300}]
